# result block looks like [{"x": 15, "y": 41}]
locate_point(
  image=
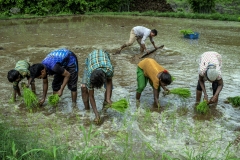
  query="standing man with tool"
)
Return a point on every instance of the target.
[{"x": 140, "y": 34}]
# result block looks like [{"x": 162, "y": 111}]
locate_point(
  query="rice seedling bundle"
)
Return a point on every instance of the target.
[
  {"x": 53, "y": 100},
  {"x": 235, "y": 101},
  {"x": 120, "y": 105},
  {"x": 202, "y": 107},
  {"x": 182, "y": 92},
  {"x": 173, "y": 78},
  {"x": 29, "y": 98}
]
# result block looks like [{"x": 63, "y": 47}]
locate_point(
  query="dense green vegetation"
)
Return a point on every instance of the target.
[
  {"x": 196, "y": 9},
  {"x": 46, "y": 7},
  {"x": 17, "y": 143}
]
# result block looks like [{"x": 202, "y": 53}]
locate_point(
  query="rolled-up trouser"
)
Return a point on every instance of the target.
[
  {"x": 132, "y": 38},
  {"x": 142, "y": 81},
  {"x": 214, "y": 86},
  {"x": 72, "y": 82}
]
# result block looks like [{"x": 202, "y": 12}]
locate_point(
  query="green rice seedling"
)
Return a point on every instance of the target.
[
  {"x": 182, "y": 92},
  {"x": 120, "y": 105},
  {"x": 53, "y": 100},
  {"x": 202, "y": 107},
  {"x": 235, "y": 101},
  {"x": 29, "y": 98},
  {"x": 186, "y": 31}
]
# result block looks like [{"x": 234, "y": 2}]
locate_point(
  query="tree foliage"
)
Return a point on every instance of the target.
[
  {"x": 45, "y": 7},
  {"x": 202, "y": 6}
]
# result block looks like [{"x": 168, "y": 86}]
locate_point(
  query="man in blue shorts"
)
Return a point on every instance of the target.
[{"x": 63, "y": 64}]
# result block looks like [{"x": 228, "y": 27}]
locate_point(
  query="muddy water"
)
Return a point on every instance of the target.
[{"x": 175, "y": 130}]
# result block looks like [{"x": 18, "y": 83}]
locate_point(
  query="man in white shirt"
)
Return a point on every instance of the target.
[{"x": 140, "y": 34}]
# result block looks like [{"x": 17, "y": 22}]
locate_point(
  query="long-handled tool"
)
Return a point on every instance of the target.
[{"x": 151, "y": 51}]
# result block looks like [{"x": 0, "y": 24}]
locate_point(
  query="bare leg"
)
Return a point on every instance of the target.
[
  {"x": 141, "y": 48},
  {"x": 74, "y": 99},
  {"x": 198, "y": 96},
  {"x": 138, "y": 95},
  {"x": 85, "y": 97},
  {"x": 119, "y": 50}
]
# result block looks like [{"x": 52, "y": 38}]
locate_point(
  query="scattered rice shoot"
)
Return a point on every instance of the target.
[
  {"x": 120, "y": 105},
  {"x": 173, "y": 78},
  {"x": 202, "y": 107},
  {"x": 53, "y": 100},
  {"x": 182, "y": 92},
  {"x": 235, "y": 101}
]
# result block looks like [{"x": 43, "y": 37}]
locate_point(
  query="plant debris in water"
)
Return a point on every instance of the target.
[
  {"x": 53, "y": 100},
  {"x": 120, "y": 105},
  {"x": 202, "y": 107},
  {"x": 235, "y": 101},
  {"x": 29, "y": 98},
  {"x": 182, "y": 92}
]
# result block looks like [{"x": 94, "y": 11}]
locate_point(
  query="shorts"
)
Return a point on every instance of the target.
[
  {"x": 73, "y": 79},
  {"x": 214, "y": 87}
]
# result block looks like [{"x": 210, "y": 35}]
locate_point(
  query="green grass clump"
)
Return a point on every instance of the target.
[
  {"x": 120, "y": 105},
  {"x": 202, "y": 107},
  {"x": 29, "y": 98},
  {"x": 235, "y": 101},
  {"x": 182, "y": 92},
  {"x": 53, "y": 100},
  {"x": 186, "y": 31}
]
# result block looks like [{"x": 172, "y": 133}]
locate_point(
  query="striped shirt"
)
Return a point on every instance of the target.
[
  {"x": 22, "y": 67},
  {"x": 98, "y": 59},
  {"x": 142, "y": 32},
  {"x": 207, "y": 58}
]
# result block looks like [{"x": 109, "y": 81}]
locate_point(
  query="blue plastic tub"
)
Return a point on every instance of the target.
[{"x": 195, "y": 35}]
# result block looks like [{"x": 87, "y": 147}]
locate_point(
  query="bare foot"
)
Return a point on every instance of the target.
[{"x": 117, "y": 52}]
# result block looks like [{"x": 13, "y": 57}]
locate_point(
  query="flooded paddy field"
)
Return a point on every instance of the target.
[{"x": 176, "y": 130}]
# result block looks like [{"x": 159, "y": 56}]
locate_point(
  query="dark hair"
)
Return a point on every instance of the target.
[
  {"x": 13, "y": 75},
  {"x": 97, "y": 78},
  {"x": 154, "y": 31},
  {"x": 35, "y": 70},
  {"x": 166, "y": 78}
]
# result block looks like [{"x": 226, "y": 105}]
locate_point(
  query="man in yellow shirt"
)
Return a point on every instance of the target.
[{"x": 149, "y": 69}]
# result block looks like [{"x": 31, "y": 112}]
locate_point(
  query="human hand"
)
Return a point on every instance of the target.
[
  {"x": 166, "y": 92},
  {"x": 205, "y": 97},
  {"x": 60, "y": 92},
  {"x": 213, "y": 99},
  {"x": 41, "y": 101}
]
